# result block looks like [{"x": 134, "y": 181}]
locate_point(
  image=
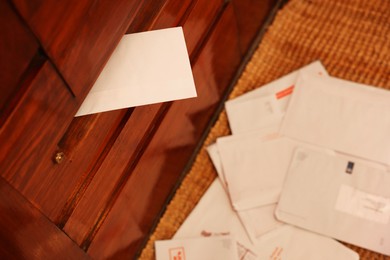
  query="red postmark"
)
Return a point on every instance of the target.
[
  {"x": 177, "y": 253},
  {"x": 284, "y": 92}
]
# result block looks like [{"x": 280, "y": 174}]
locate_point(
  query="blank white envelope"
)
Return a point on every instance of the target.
[
  {"x": 348, "y": 117},
  {"x": 254, "y": 168},
  {"x": 265, "y": 106},
  {"x": 145, "y": 68},
  {"x": 266, "y": 133},
  {"x": 339, "y": 196}
]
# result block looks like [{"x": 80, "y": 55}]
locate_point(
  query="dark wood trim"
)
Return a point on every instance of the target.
[{"x": 25, "y": 233}]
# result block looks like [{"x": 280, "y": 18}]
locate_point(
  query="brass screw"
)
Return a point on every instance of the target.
[{"x": 59, "y": 157}]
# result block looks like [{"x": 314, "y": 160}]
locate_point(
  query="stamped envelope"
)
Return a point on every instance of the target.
[
  {"x": 339, "y": 196},
  {"x": 345, "y": 116},
  {"x": 207, "y": 248},
  {"x": 265, "y": 106},
  {"x": 214, "y": 216}
]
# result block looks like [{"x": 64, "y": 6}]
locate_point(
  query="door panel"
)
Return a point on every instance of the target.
[
  {"x": 78, "y": 36},
  {"x": 26, "y": 234},
  {"x": 153, "y": 178},
  {"x": 31, "y": 131},
  {"x": 18, "y": 48}
]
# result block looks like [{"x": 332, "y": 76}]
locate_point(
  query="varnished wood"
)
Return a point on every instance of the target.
[
  {"x": 88, "y": 153},
  {"x": 250, "y": 16},
  {"x": 149, "y": 11},
  {"x": 78, "y": 36},
  {"x": 27, "y": 234},
  {"x": 112, "y": 174},
  {"x": 57, "y": 188},
  {"x": 17, "y": 49},
  {"x": 120, "y": 167},
  {"x": 31, "y": 132},
  {"x": 199, "y": 23},
  {"x": 172, "y": 13},
  {"x": 163, "y": 162},
  {"x": 134, "y": 139},
  {"x": 72, "y": 140}
]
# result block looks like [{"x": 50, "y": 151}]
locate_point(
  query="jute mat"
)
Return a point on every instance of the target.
[{"x": 350, "y": 37}]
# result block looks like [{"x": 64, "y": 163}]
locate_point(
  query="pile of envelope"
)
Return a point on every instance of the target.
[{"x": 307, "y": 164}]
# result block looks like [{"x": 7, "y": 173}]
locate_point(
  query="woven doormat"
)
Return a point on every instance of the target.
[{"x": 350, "y": 37}]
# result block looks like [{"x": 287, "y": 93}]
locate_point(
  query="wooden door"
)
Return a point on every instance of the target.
[{"x": 97, "y": 183}]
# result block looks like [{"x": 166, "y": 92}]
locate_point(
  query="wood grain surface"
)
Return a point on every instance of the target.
[
  {"x": 118, "y": 168},
  {"x": 27, "y": 234}
]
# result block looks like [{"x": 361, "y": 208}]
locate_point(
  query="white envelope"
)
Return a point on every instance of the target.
[
  {"x": 207, "y": 248},
  {"x": 265, "y": 133},
  {"x": 213, "y": 152},
  {"x": 265, "y": 106},
  {"x": 253, "y": 114},
  {"x": 259, "y": 221},
  {"x": 145, "y": 68},
  {"x": 214, "y": 216},
  {"x": 338, "y": 196},
  {"x": 348, "y": 117},
  {"x": 291, "y": 243},
  {"x": 255, "y": 168}
]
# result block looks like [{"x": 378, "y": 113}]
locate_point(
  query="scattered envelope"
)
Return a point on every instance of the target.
[
  {"x": 214, "y": 216},
  {"x": 249, "y": 217},
  {"x": 345, "y": 116},
  {"x": 145, "y": 68},
  {"x": 259, "y": 221},
  {"x": 213, "y": 152},
  {"x": 291, "y": 243},
  {"x": 249, "y": 165},
  {"x": 255, "y": 168},
  {"x": 253, "y": 114},
  {"x": 265, "y": 106},
  {"x": 264, "y": 133},
  {"x": 338, "y": 196},
  {"x": 294, "y": 148},
  {"x": 207, "y": 248}
]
